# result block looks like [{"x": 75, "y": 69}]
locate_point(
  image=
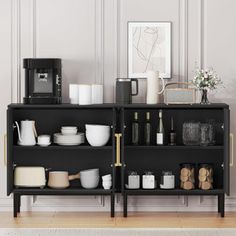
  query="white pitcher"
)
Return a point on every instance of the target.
[
  {"x": 27, "y": 133},
  {"x": 153, "y": 87}
]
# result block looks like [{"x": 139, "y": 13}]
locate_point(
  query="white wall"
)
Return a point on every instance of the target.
[{"x": 91, "y": 38}]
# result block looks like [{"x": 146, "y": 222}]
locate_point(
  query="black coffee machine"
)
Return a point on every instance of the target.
[{"x": 42, "y": 80}]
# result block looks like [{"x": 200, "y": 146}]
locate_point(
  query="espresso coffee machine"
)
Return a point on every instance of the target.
[{"x": 42, "y": 80}]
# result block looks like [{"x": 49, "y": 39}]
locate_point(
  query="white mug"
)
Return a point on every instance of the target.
[
  {"x": 74, "y": 93},
  {"x": 85, "y": 94},
  {"x": 97, "y": 94}
]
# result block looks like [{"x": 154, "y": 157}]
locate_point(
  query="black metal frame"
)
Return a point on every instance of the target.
[
  {"x": 223, "y": 149},
  {"x": 119, "y": 173},
  {"x": 14, "y": 150}
]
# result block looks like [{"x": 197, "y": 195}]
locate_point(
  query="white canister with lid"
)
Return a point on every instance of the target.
[
  {"x": 148, "y": 180},
  {"x": 133, "y": 180}
]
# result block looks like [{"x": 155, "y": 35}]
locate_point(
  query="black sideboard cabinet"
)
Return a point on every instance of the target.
[{"x": 110, "y": 159}]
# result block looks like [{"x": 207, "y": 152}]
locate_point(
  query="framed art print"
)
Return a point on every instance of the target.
[{"x": 149, "y": 48}]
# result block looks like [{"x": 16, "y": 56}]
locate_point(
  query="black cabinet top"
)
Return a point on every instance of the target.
[{"x": 114, "y": 105}]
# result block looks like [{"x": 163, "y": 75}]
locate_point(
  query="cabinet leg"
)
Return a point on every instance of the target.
[
  {"x": 218, "y": 203},
  {"x": 222, "y": 205},
  {"x": 18, "y": 203},
  {"x": 112, "y": 205},
  {"x": 15, "y": 204},
  {"x": 125, "y": 204}
]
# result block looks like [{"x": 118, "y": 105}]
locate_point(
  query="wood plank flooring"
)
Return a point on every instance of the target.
[{"x": 103, "y": 220}]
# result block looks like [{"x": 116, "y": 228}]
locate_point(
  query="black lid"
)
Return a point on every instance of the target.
[{"x": 43, "y": 63}]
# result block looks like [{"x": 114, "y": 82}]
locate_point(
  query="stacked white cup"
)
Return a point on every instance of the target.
[
  {"x": 85, "y": 94},
  {"x": 107, "y": 181}
]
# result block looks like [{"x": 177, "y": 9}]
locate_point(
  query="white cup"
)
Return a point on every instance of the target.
[
  {"x": 74, "y": 93},
  {"x": 44, "y": 139},
  {"x": 85, "y": 94},
  {"x": 97, "y": 94},
  {"x": 106, "y": 177}
]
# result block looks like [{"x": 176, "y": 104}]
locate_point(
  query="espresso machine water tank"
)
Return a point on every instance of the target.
[{"x": 42, "y": 80}]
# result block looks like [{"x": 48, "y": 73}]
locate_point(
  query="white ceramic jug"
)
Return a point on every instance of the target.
[
  {"x": 153, "y": 87},
  {"x": 27, "y": 133}
]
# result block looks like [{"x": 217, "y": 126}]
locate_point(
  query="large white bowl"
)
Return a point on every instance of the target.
[
  {"x": 89, "y": 182},
  {"x": 97, "y": 128},
  {"x": 97, "y": 139}
]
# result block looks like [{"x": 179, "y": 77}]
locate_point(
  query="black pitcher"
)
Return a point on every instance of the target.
[{"x": 124, "y": 90}]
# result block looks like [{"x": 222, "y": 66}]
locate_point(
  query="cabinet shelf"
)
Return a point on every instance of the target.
[
  {"x": 173, "y": 192},
  {"x": 177, "y": 147},
  {"x": 58, "y": 147},
  {"x": 68, "y": 191}
]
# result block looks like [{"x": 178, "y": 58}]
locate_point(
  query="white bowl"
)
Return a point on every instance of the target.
[
  {"x": 97, "y": 128},
  {"x": 69, "y": 131},
  {"x": 97, "y": 139},
  {"x": 69, "y": 127},
  {"x": 90, "y": 172},
  {"x": 89, "y": 182}
]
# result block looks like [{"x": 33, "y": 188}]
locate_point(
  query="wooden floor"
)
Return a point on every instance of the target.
[{"x": 102, "y": 220}]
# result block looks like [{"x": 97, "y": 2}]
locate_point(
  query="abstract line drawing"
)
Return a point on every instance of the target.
[{"x": 149, "y": 48}]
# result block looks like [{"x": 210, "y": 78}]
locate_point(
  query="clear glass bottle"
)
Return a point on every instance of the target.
[
  {"x": 172, "y": 134},
  {"x": 147, "y": 130},
  {"x": 135, "y": 130},
  {"x": 160, "y": 130}
]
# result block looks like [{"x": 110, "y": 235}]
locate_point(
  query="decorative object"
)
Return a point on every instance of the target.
[
  {"x": 153, "y": 87},
  {"x": 205, "y": 80},
  {"x": 179, "y": 95},
  {"x": 191, "y": 133},
  {"x": 149, "y": 48},
  {"x": 124, "y": 90},
  {"x": 205, "y": 176}
]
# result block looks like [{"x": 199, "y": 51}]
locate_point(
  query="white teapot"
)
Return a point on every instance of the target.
[{"x": 27, "y": 133}]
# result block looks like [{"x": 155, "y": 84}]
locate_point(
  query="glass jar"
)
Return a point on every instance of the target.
[
  {"x": 205, "y": 176},
  {"x": 191, "y": 133},
  {"x": 187, "y": 176}
]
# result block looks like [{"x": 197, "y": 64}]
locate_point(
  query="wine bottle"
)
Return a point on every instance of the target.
[
  {"x": 160, "y": 130},
  {"x": 172, "y": 134},
  {"x": 147, "y": 129},
  {"x": 135, "y": 130}
]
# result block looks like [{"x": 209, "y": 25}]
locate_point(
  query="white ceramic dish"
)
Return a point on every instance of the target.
[
  {"x": 44, "y": 144},
  {"x": 89, "y": 182},
  {"x": 97, "y": 139},
  {"x": 90, "y": 172},
  {"x": 76, "y": 139}
]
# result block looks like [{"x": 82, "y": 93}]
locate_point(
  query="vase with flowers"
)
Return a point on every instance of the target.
[{"x": 206, "y": 80}]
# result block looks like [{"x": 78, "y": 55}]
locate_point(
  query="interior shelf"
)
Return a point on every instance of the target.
[
  {"x": 181, "y": 147},
  {"x": 55, "y": 146},
  {"x": 173, "y": 192},
  {"x": 67, "y": 191}
]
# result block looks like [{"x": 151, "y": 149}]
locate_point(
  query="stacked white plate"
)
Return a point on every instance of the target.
[{"x": 69, "y": 139}]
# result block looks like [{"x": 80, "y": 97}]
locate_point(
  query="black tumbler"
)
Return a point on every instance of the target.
[{"x": 124, "y": 90}]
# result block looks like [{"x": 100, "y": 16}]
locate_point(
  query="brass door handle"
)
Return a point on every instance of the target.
[
  {"x": 5, "y": 150},
  {"x": 231, "y": 149},
  {"x": 118, "y": 137}
]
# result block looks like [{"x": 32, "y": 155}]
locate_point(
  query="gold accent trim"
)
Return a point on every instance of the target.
[
  {"x": 5, "y": 150},
  {"x": 231, "y": 150},
  {"x": 118, "y": 137}
]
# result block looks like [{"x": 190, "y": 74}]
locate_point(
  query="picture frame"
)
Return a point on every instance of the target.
[{"x": 149, "y": 48}]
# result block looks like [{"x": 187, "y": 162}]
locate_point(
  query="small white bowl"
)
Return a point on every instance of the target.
[{"x": 69, "y": 131}]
